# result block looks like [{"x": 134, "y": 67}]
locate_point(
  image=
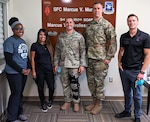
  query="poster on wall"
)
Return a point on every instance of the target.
[{"x": 54, "y": 13}]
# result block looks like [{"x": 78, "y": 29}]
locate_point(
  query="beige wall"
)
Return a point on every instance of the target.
[{"x": 29, "y": 13}]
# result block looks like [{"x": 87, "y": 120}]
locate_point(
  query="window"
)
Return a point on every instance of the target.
[{"x": 3, "y": 27}]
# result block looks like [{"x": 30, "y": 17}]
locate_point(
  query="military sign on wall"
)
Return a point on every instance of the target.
[{"x": 54, "y": 13}]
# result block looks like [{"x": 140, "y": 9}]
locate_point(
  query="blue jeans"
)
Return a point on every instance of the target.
[
  {"x": 128, "y": 78},
  {"x": 15, "y": 103}
]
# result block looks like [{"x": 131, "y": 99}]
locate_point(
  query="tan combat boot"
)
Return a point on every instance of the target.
[
  {"x": 97, "y": 108},
  {"x": 76, "y": 107},
  {"x": 91, "y": 106},
  {"x": 65, "y": 106}
]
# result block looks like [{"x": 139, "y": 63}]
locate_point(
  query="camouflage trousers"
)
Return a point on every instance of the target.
[
  {"x": 96, "y": 73},
  {"x": 69, "y": 78}
]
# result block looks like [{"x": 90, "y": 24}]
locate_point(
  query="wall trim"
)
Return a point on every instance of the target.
[{"x": 83, "y": 98}]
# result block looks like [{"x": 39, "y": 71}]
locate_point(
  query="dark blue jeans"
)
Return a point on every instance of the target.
[
  {"x": 15, "y": 104},
  {"x": 128, "y": 78}
]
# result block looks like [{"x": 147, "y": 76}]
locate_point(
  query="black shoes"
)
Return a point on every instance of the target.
[
  {"x": 123, "y": 114},
  {"x": 126, "y": 114},
  {"x": 44, "y": 107},
  {"x": 49, "y": 105},
  {"x": 137, "y": 120}
]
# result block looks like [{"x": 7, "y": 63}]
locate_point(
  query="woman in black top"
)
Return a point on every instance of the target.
[{"x": 42, "y": 67}]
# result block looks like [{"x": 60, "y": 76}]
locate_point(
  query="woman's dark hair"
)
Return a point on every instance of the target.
[
  {"x": 12, "y": 20},
  {"x": 45, "y": 32}
]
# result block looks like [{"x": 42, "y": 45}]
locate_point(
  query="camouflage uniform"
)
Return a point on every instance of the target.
[
  {"x": 101, "y": 45},
  {"x": 69, "y": 55}
]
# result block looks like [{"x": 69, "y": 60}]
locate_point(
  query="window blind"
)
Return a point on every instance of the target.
[{"x": 1, "y": 31}]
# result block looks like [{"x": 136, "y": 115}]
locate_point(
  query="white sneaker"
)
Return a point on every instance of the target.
[
  {"x": 44, "y": 107},
  {"x": 22, "y": 117},
  {"x": 49, "y": 105}
]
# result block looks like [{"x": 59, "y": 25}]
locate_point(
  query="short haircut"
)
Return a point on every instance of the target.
[
  {"x": 97, "y": 3},
  {"x": 69, "y": 18},
  {"x": 132, "y": 15}
]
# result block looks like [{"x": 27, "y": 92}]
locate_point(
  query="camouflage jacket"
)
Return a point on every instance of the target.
[
  {"x": 70, "y": 50},
  {"x": 100, "y": 40}
]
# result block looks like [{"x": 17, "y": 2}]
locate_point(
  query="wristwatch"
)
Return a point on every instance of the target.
[{"x": 142, "y": 72}]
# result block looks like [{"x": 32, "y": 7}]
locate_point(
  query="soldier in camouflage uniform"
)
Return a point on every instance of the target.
[
  {"x": 70, "y": 55},
  {"x": 101, "y": 48}
]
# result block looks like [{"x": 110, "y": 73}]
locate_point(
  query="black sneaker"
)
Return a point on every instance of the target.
[
  {"x": 123, "y": 114},
  {"x": 44, "y": 108},
  {"x": 49, "y": 105}
]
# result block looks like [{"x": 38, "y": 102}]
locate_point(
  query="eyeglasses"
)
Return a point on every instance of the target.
[{"x": 18, "y": 29}]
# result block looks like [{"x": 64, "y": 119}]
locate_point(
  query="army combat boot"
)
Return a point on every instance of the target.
[
  {"x": 97, "y": 108},
  {"x": 91, "y": 106},
  {"x": 65, "y": 106},
  {"x": 76, "y": 107}
]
